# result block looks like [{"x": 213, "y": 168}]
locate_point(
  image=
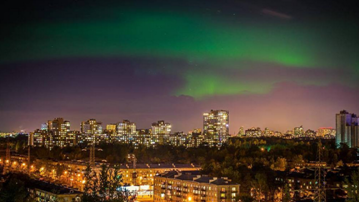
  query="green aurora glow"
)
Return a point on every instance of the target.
[{"x": 191, "y": 38}]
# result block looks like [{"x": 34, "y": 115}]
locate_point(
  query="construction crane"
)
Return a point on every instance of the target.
[
  {"x": 92, "y": 152},
  {"x": 319, "y": 187},
  {"x": 132, "y": 158},
  {"x": 320, "y": 192},
  {"x": 7, "y": 162}
]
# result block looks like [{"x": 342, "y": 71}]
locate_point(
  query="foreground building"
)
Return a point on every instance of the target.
[
  {"x": 190, "y": 186},
  {"x": 347, "y": 129},
  {"x": 44, "y": 191}
]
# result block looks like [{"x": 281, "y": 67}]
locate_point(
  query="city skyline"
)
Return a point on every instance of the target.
[
  {"x": 116, "y": 124},
  {"x": 277, "y": 64},
  {"x": 188, "y": 100}
]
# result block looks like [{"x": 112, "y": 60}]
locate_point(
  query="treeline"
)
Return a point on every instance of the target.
[
  {"x": 246, "y": 152},
  {"x": 250, "y": 162},
  {"x": 267, "y": 151}
]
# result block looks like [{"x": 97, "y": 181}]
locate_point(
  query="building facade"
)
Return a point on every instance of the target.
[
  {"x": 91, "y": 126},
  {"x": 347, "y": 129},
  {"x": 125, "y": 131},
  {"x": 190, "y": 186},
  {"x": 216, "y": 126},
  {"x": 57, "y": 133},
  {"x": 58, "y": 129},
  {"x": 161, "y": 128},
  {"x": 326, "y": 131}
]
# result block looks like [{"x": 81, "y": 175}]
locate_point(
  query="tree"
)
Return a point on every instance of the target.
[
  {"x": 13, "y": 190},
  {"x": 286, "y": 194},
  {"x": 353, "y": 187},
  {"x": 297, "y": 160},
  {"x": 104, "y": 183},
  {"x": 280, "y": 164},
  {"x": 59, "y": 169},
  {"x": 105, "y": 187},
  {"x": 244, "y": 197},
  {"x": 340, "y": 163},
  {"x": 91, "y": 186},
  {"x": 260, "y": 185},
  {"x": 17, "y": 146}
]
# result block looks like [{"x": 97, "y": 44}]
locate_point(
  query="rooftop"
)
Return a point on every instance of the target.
[{"x": 196, "y": 177}]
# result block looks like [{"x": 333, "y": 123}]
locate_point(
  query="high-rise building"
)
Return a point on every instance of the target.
[
  {"x": 112, "y": 127},
  {"x": 241, "y": 131},
  {"x": 326, "y": 132},
  {"x": 196, "y": 138},
  {"x": 310, "y": 133},
  {"x": 347, "y": 129},
  {"x": 58, "y": 129},
  {"x": 267, "y": 132},
  {"x": 216, "y": 125},
  {"x": 38, "y": 138},
  {"x": 91, "y": 126},
  {"x": 91, "y": 130},
  {"x": 160, "y": 132},
  {"x": 44, "y": 126},
  {"x": 298, "y": 131},
  {"x": 126, "y": 128},
  {"x": 111, "y": 132},
  {"x": 161, "y": 128},
  {"x": 254, "y": 132}
]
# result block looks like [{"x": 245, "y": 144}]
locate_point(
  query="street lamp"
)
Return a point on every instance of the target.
[{"x": 189, "y": 198}]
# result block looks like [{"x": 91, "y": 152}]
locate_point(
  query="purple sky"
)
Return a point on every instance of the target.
[
  {"x": 277, "y": 64},
  {"x": 113, "y": 90}
]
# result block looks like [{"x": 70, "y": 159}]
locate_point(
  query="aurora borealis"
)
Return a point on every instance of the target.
[{"x": 295, "y": 65}]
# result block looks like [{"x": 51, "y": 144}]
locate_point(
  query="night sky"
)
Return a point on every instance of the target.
[{"x": 276, "y": 64}]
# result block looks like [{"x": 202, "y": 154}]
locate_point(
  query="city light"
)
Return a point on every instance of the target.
[{"x": 195, "y": 100}]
